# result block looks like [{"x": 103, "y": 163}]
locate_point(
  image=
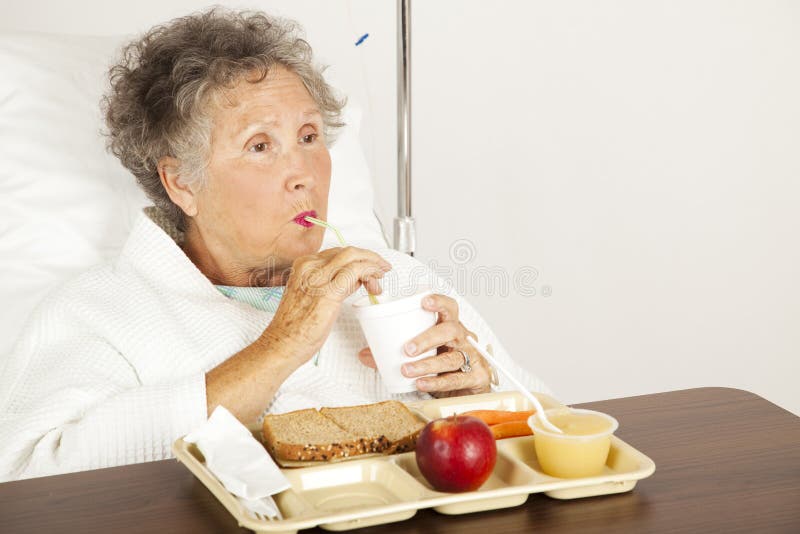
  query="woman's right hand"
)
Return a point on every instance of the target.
[{"x": 316, "y": 287}]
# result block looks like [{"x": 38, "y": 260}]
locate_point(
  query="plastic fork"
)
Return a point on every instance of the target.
[
  {"x": 260, "y": 508},
  {"x": 256, "y": 515},
  {"x": 517, "y": 384}
]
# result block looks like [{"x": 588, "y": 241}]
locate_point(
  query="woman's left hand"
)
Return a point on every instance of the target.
[{"x": 448, "y": 337}]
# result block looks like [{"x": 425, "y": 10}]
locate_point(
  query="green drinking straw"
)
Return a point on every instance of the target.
[
  {"x": 342, "y": 242},
  {"x": 319, "y": 222}
]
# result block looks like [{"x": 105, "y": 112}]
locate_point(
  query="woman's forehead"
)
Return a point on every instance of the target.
[
  {"x": 280, "y": 97},
  {"x": 279, "y": 88}
]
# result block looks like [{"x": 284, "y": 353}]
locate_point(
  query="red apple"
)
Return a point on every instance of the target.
[{"x": 456, "y": 454}]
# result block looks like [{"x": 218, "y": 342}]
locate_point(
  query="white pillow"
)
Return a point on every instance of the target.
[{"x": 65, "y": 203}]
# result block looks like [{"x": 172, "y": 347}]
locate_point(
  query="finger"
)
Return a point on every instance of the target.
[
  {"x": 435, "y": 336},
  {"x": 365, "y": 357},
  {"x": 348, "y": 255},
  {"x": 348, "y": 279},
  {"x": 449, "y": 382},
  {"x": 444, "y": 305},
  {"x": 441, "y": 363},
  {"x": 328, "y": 253},
  {"x": 373, "y": 286},
  {"x": 306, "y": 263},
  {"x": 320, "y": 268}
]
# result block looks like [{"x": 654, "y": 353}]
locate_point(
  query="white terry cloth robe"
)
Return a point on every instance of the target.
[{"x": 110, "y": 369}]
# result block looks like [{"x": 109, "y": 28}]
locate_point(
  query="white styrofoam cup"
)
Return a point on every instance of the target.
[{"x": 388, "y": 326}]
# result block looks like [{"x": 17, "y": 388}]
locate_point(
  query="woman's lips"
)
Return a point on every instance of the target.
[{"x": 300, "y": 218}]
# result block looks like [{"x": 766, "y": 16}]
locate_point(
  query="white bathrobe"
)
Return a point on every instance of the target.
[{"x": 110, "y": 369}]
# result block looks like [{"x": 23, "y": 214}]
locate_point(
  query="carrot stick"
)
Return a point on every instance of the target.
[
  {"x": 511, "y": 429},
  {"x": 493, "y": 417}
]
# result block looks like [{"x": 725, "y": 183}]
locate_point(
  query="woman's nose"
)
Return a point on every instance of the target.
[
  {"x": 299, "y": 182},
  {"x": 299, "y": 173}
]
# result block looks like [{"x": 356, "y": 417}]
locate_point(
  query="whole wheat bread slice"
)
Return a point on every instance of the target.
[
  {"x": 307, "y": 435},
  {"x": 389, "y": 426},
  {"x": 335, "y": 433}
]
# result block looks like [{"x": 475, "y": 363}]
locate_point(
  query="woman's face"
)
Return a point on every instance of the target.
[{"x": 268, "y": 163}]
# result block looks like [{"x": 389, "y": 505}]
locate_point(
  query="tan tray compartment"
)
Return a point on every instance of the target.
[
  {"x": 354, "y": 487},
  {"x": 509, "y": 473},
  {"x": 624, "y": 467},
  {"x": 370, "y": 491},
  {"x": 506, "y": 483},
  {"x": 339, "y": 496}
]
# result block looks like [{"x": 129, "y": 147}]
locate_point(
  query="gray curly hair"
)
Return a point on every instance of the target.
[{"x": 158, "y": 104}]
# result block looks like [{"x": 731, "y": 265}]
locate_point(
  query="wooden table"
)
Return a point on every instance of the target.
[{"x": 727, "y": 461}]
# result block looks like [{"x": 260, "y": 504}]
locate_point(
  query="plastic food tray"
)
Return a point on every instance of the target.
[{"x": 375, "y": 490}]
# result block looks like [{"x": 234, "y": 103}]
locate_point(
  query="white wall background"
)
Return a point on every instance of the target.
[{"x": 642, "y": 156}]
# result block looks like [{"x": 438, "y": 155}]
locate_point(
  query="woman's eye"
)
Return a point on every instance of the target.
[
  {"x": 310, "y": 138},
  {"x": 258, "y": 147}
]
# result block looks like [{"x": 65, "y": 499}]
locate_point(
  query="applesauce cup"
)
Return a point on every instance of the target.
[
  {"x": 573, "y": 455},
  {"x": 388, "y": 326}
]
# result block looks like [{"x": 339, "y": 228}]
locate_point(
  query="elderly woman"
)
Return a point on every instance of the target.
[{"x": 219, "y": 296}]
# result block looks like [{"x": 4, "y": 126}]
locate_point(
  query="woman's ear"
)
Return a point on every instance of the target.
[{"x": 178, "y": 190}]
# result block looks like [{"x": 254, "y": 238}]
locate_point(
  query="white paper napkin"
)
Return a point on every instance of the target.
[{"x": 240, "y": 462}]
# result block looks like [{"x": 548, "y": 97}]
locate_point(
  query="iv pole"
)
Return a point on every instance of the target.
[{"x": 404, "y": 231}]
